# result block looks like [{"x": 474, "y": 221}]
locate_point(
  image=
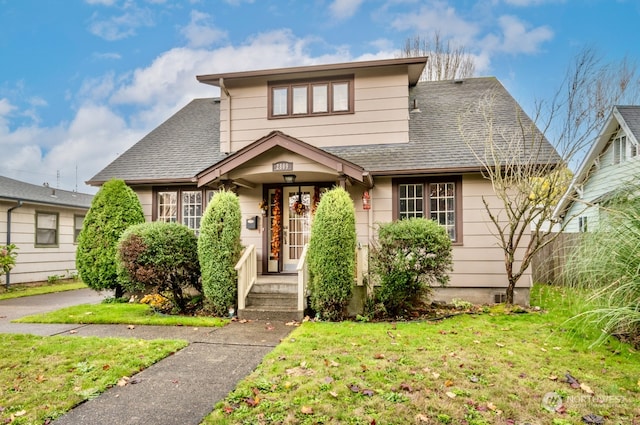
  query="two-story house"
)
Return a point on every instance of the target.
[{"x": 281, "y": 137}]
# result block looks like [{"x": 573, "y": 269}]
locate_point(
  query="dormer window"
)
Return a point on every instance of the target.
[
  {"x": 623, "y": 149},
  {"x": 304, "y": 98}
]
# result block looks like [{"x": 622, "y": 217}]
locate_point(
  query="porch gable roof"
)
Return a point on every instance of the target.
[{"x": 279, "y": 139}]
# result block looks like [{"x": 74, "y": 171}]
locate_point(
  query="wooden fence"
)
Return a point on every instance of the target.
[{"x": 548, "y": 263}]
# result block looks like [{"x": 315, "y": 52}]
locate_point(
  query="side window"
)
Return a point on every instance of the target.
[
  {"x": 77, "y": 226},
  {"x": 168, "y": 207},
  {"x": 46, "y": 228}
]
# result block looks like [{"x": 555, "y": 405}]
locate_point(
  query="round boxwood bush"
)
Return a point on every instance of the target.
[
  {"x": 332, "y": 255},
  {"x": 114, "y": 208},
  {"x": 408, "y": 258},
  {"x": 159, "y": 258},
  {"x": 219, "y": 250}
]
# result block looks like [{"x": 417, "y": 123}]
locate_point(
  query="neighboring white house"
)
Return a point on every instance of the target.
[
  {"x": 610, "y": 165},
  {"x": 43, "y": 223}
]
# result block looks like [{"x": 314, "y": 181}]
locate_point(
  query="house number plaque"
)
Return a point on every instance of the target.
[{"x": 283, "y": 166}]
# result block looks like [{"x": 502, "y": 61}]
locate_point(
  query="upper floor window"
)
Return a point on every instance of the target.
[
  {"x": 436, "y": 199},
  {"x": 623, "y": 149},
  {"x": 46, "y": 228},
  {"x": 303, "y": 98}
]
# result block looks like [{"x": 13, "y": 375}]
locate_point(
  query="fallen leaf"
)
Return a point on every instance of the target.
[
  {"x": 40, "y": 378},
  {"x": 572, "y": 381},
  {"x": 333, "y": 394},
  {"x": 131, "y": 327},
  {"x": 354, "y": 388},
  {"x": 368, "y": 393},
  {"x": 123, "y": 381},
  {"x": 378, "y": 356},
  {"x": 364, "y": 367},
  {"x": 475, "y": 341},
  {"x": 593, "y": 419},
  {"x": 269, "y": 328},
  {"x": 228, "y": 410},
  {"x": 73, "y": 331},
  {"x": 306, "y": 410},
  {"x": 450, "y": 394},
  {"x": 328, "y": 380},
  {"x": 243, "y": 321},
  {"x": 406, "y": 387},
  {"x": 106, "y": 367},
  {"x": 491, "y": 406},
  {"x": 20, "y": 413},
  {"x": 543, "y": 349},
  {"x": 423, "y": 418},
  {"x": 499, "y": 344},
  {"x": 587, "y": 389},
  {"x": 448, "y": 383},
  {"x": 553, "y": 377},
  {"x": 292, "y": 323},
  {"x": 436, "y": 375},
  {"x": 252, "y": 401}
]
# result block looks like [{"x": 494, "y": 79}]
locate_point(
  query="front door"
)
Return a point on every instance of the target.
[{"x": 296, "y": 224}]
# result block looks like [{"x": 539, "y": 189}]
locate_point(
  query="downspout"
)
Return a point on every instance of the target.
[
  {"x": 228, "y": 142},
  {"x": 8, "y": 276}
]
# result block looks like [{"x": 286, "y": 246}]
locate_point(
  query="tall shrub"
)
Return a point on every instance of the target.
[
  {"x": 409, "y": 257},
  {"x": 332, "y": 255},
  {"x": 114, "y": 208},
  {"x": 219, "y": 250},
  {"x": 605, "y": 268},
  {"x": 159, "y": 258}
]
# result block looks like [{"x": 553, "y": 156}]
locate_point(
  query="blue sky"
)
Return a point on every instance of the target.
[{"x": 82, "y": 81}]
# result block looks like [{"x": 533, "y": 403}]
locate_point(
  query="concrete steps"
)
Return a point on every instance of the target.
[{"x": 273, "y": 297}]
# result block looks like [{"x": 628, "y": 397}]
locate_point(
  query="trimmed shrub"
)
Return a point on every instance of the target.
[
  {"x": 332, "y": 255},
  {"x": 159, "y": 258},
  {"x": 114, "y": 208},
  {"x": 409, "y": 257},
  {"x": 219, "y": 250}
]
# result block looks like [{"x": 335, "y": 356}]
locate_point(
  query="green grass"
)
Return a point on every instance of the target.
[
  {"x": 18, "y": 291},
  {"x": 43, "y": 377},
  {"x": 119, "y": 313},
  {"x": 482, "y": 369}
]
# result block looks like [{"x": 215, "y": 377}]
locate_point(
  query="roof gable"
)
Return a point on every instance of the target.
[
  {"x": 279, "y": 139},
  {"x": 628, "y": 118}
]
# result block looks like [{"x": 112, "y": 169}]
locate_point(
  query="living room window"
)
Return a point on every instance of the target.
[
  {"x": 181, "y": 205},
  {"x": 46, "y": 229},
  {"x": 303, "y": 98},
  {"x": 438, "y": 199}
]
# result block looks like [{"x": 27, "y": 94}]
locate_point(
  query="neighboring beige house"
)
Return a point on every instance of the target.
[
  {"x": 281, "y": 137},
  {"x": 43, "y": 223}
]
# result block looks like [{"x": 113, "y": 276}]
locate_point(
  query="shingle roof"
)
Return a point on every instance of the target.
[
  {"x": 435, "y": 141},
  {"x": 16, "y": 190},
  {"x": 176, "y": 150},
  {"x": 631, "y": 115},
  {"x": 189, "y": 141}
]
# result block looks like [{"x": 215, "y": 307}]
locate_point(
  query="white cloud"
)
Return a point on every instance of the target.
[
  {"x": 5, "y": 107},
  {"x": 527, "y": 3},
  {"x": 123, "y": 25},
  {"x": 518, "y": 38},
  {"x": 101, "y": 2},
  {"x": 107, "y": 56},
  {"x": 200, "y": 33},
  {"x": 344, "y": 9}
]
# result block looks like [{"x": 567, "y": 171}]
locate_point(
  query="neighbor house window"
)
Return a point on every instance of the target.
[
  {"x": 436, "y": 199},
  {"x": 311, "y": 97},
  {"x": 46, "y": 228},
  {"x": 77, "y": 226},
  {"x": 619, "y": 149},
  {"x": 582, "y": 224}
]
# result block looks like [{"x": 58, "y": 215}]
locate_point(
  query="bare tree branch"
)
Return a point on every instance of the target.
[{"x": 446, "y": 62}]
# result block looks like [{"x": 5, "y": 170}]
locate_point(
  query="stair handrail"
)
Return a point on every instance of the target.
[
  {"x": 303, "y": 278},
  {"x": 247, "y": 268}
]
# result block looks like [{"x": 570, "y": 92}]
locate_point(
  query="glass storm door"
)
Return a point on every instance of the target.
[{"x": 296, "y": 224}]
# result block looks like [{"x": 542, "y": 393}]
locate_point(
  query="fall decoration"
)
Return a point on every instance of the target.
[
  {"x": 276, "y": 224},
  {"x": 299, "y": 207}
]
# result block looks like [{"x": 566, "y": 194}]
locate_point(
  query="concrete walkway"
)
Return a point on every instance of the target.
[{"x": 180, "y": 389}]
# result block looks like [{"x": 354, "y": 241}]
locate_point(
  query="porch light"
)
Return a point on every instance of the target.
[
  {"x": 366, "y": 200},
  {"x": 289, "y": 178}
]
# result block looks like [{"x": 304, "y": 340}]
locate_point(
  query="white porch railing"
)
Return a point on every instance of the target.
[
  {"x": 303, "y": 278},
  {"x": 247, "y": 268}
]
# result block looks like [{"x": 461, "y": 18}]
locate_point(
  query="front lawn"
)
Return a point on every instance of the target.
[
  {"x": 43, "y": 377},
  {"x": 17, "y": 291},
  {"x": 492, "y": 368},
  {"x": 119, "y": 313}
]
